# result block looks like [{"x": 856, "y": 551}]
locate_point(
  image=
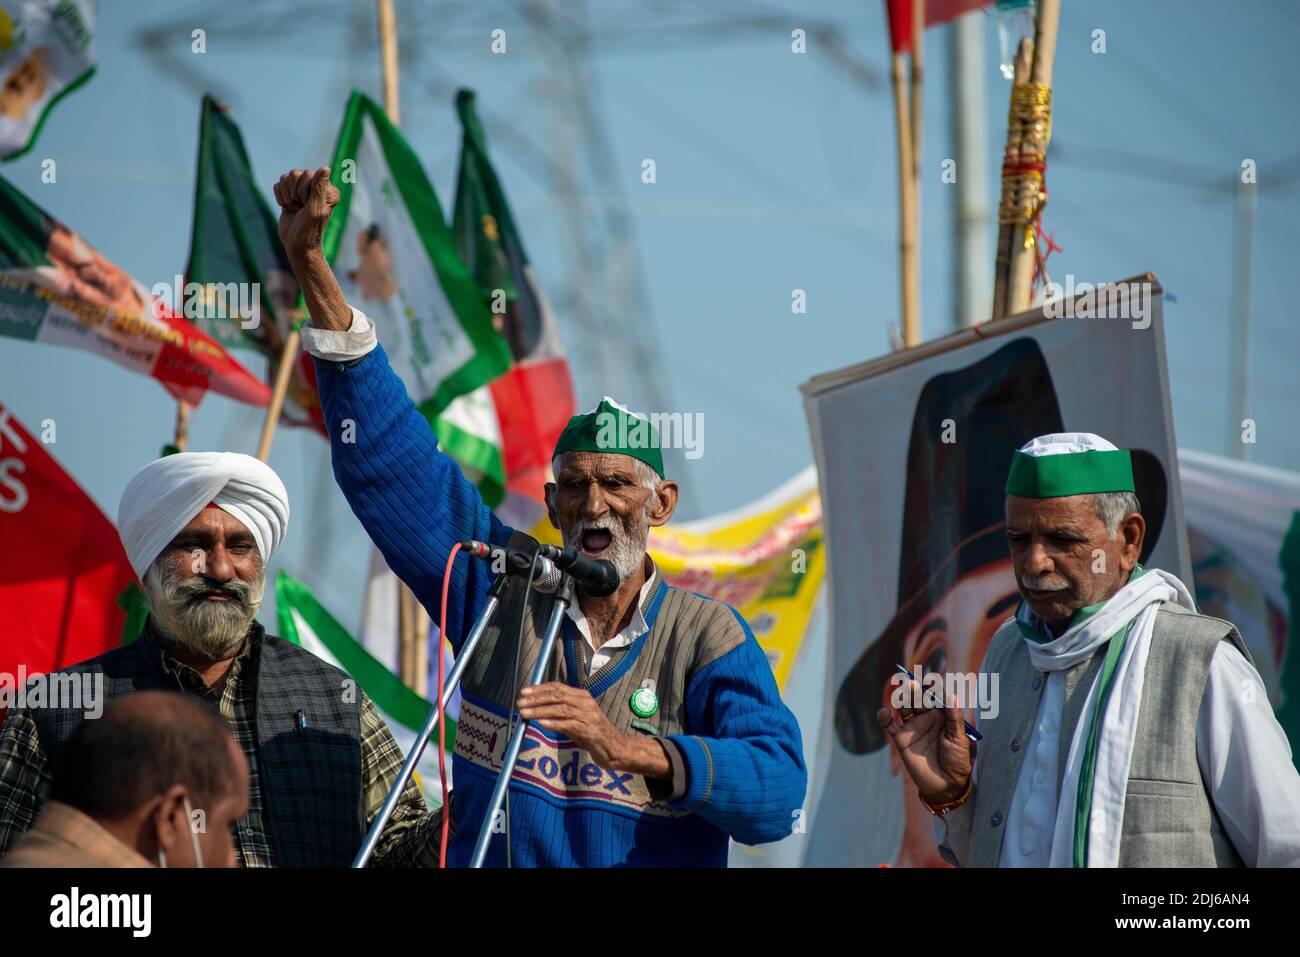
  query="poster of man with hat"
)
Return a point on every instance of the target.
[
  {"x": 921, "y": 569},
  {"x": 955, "y": 580}
]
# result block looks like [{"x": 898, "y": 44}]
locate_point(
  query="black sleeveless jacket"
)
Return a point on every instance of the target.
[{"x": 309, "y": 766}]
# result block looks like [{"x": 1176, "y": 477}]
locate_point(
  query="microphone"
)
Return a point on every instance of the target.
[
  {"x": 545, "y": 580},
  {"x": 597, "y": 576}
]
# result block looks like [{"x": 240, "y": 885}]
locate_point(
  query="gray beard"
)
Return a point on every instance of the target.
[
  {"x": 626, "y": 553},
  {"x": 210, "y": 628}
]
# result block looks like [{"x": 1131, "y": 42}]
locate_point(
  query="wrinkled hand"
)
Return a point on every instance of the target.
[
  {"x": 306, "y": 198},
  {"x": 932, "y": 745},
  {"x": 574, "y": 712}
]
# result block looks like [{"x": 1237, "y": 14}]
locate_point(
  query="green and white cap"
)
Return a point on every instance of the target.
[
  {"x": 611, "y": 427},
  {"x": 1069, "y": 463}
]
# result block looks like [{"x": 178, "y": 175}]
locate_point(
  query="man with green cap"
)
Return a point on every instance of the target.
[
  {"x": 1131, "y": 731},
  {"x": 658, "y": 734}
]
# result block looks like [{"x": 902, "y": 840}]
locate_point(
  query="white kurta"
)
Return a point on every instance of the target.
[{"x": 1243, "y": 754}]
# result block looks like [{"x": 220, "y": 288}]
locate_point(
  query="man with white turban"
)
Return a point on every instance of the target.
[
  {"x": 199, "y": 529},
  {"x": 1131, "y": 730}
]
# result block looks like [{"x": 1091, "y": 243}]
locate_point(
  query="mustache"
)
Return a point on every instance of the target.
[
  {"x": 1043, "y": 583},
  {"x": 604, "y": 523},
  {"x": 191, "y": 591}
]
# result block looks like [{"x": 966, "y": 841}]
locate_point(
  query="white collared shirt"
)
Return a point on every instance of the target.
[{"x": 634, "y": 630}]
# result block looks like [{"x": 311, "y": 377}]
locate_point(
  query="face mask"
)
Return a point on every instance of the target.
[{"x": 194, "y": 839}]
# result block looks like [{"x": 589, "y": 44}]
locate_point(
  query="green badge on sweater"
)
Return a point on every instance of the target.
[{"x": 644, "y": 702}]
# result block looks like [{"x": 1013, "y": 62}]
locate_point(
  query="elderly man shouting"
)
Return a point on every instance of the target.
[
  {"x": 660, "y": 732},
  {"x": 198, "y": 529},
  {"x": 1132, "y": 731}
]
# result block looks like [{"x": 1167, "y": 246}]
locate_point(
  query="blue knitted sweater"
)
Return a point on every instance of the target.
[{"x": 743, "y": 755}]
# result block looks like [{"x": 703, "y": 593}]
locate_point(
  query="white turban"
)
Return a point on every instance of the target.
[{"x": 164, "y": 496}]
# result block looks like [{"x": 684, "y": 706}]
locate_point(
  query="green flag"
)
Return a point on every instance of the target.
[
  {"x": 239, "y": 287},
  {"x": 534, "y": 399},
  {"x": 395, "y": 259}
]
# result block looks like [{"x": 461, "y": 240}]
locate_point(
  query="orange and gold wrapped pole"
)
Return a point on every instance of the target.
[{"x": 1024, "y": 163}]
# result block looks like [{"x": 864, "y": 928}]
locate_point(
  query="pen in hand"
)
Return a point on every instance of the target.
[{"x": 933, "y": 701}]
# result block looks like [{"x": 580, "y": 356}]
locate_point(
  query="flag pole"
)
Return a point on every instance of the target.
[
  {"x": 912, "y": 336},
  {"x": 182, "y": 437},
  {"x": 288, "y": 356},
  {"x": 1035, "y": 108},
  {"x": 909, "y": 287},
  {"x": 412, "y": 620},
  {"x": 1010, "y": 184},
  {"x": 388, "y": 58}
]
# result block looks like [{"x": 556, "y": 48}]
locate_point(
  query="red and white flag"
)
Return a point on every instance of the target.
[
  {"x": 57, "y": 288},
  {"x": 62, "y": 566}
]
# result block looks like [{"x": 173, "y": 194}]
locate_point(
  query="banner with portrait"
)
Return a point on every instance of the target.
[{"x": 912, "y": 453}]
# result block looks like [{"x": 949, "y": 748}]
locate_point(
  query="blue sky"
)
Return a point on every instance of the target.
[{"x": 774, "y": 172}]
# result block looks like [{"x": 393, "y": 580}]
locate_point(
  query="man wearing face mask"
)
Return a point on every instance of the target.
[
  {"x": 198, "y": 529},
  {"x": 157, "y": 780},
  {"x": 659, "y": 731}
]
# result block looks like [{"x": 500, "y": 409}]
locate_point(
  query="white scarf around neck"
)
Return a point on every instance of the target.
[{"x": 1137, "y": 602}]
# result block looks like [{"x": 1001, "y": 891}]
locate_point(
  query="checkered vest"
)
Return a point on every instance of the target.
[{"x": 309, "y": 766}]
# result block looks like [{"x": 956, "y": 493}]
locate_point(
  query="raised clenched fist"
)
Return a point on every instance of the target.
[{"x": 306, "y": 198}]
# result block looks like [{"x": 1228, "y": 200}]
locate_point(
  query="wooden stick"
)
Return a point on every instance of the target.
[
  {"x": 405, "y": 629},
  {"x": 421, "y": 662},
  {"x": 182, "y": 437},
  {"x": 388, "y": 55},
  {"x": 1021, "y": 280},
  {"x": 908, "y": 280},
  {"x": 413, "y": 631},
  {"x": 918, "y": 73},
  {"x": 288, "y": 356},
  {"x": 1006, "y": 231}
]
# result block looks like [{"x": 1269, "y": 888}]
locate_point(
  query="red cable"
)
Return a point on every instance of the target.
[{"x": 442, "y": 727}]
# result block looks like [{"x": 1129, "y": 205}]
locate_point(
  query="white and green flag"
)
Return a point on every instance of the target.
[
  {"x": 1243, "y": 531},
  {"x": 305, "y": 622},
  {"x": 47, "y": 50},
  {"x": 396, "y": 260}
]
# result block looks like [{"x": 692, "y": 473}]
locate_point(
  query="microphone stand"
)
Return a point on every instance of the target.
[
  {"x": 495, "y": 590},
  {"x": 563, "y": 599}
]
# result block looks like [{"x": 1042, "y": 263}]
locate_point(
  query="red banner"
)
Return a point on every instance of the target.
[{"x": 61, "y": 562}]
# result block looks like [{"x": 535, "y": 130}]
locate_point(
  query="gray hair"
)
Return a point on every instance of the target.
[{"x": 1113, "y": 506}]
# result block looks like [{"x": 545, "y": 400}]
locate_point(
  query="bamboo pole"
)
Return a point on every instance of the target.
[
  {"x": 918, "y": 75},
  {"x": 1243, "y": 242},
  {"x": 1024, "y": 256},
  {"x": 908, "y": 281},
  {"x": 913, "y": 336},
  {"x": 1006, "y": 230},
  {"x": 388, "y": 54},
  {"x": 182, "y": 437},
  {"x": 413, "y": 621},
  {"x": 283, "y": 374}
]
